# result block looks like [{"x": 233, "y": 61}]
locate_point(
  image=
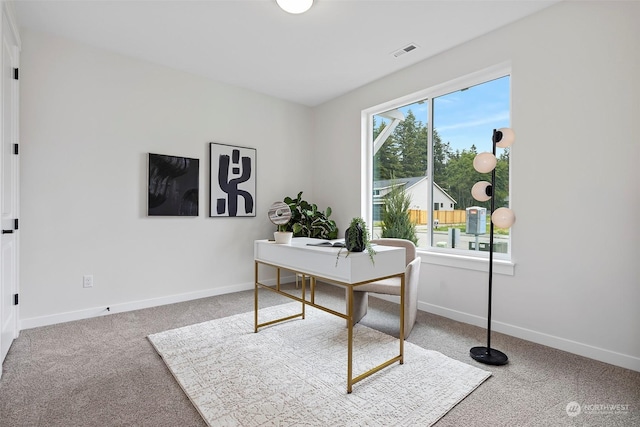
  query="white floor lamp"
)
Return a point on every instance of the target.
[{"x": 502, "y": 218}]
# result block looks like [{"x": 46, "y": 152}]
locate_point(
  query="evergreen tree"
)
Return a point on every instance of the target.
[
  {"x": 441, "y": 154},
  {"x": 459, "y": 176},
  {"x": 395, "y": 216},
  {"x": 387, "y": 159},
  {"x": 413, "y": 148},
  {"x": 502, "y": 180}
]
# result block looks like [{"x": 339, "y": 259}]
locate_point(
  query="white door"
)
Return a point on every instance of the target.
[{"x": 9, "y": 191}]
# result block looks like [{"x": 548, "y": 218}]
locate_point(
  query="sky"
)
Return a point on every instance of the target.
[{"x": 468, "y": 117}]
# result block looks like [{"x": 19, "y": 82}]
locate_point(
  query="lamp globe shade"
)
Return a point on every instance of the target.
[
  {"x": 484, "y": 162},
  {"x": 503, "y": 217},
  {"x": 481, "y": 191},
  {"x": 508, "y": 137}
]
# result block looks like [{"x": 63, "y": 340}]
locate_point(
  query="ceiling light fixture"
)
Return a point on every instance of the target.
[{"x": 295, "y": 6}]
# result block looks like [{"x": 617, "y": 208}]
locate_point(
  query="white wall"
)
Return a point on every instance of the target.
[
  {"x": 88, "y": 120},
  {"x": 575, "y": 92}
]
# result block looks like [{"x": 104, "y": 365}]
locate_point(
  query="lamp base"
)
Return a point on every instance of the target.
[{"x": 489, "y": 356}]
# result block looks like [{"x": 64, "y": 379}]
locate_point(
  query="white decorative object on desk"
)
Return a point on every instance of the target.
[{"x": 280, "y": 214}]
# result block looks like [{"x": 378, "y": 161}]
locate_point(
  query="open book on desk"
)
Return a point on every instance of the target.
[{"x": 330, "y": 243}]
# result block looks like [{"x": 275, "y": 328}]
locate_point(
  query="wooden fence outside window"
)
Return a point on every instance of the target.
[{"x": 420, "y": 217}]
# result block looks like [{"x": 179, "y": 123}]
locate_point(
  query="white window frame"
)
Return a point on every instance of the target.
[{"x": 503, "y": 263}]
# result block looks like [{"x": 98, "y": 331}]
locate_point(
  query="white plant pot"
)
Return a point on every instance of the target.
[{"x": 283, "y": 237}]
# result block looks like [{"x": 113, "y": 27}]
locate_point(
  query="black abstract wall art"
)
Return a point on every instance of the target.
[
  {"x": 232, "y": 181},
  {"x": 173, "y": 186}
]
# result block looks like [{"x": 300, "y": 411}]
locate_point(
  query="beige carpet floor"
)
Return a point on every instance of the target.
[{"x": 104, "y": 371}]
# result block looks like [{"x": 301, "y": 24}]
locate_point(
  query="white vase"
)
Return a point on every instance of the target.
[{"x": 283, "y": 237}]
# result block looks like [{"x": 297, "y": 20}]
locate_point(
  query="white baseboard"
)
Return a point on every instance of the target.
[
  {"x": 53, "y": 319},
  {"x": 70, "y": 316},
  {"x": 586, "y": 350}
]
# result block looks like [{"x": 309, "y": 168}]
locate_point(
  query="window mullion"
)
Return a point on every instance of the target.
[{"x": 430, "y": 168}]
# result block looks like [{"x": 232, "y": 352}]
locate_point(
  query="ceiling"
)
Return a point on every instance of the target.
[{"x": 337, "y": 46}]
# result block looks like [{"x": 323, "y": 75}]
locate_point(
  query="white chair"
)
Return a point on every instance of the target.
[{"x": 392, "y": 286}]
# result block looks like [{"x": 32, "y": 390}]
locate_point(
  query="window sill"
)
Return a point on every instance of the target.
[{"x": 500, "y": 266}]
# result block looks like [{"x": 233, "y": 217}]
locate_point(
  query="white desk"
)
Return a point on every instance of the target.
[{"x": 318, "y": 262}]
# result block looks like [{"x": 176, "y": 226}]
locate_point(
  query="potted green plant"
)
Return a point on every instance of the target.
[
  {"x": 309, "y": 221},
  {"x": 357, "y": 238}
]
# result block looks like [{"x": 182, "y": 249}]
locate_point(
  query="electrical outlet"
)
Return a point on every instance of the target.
[{"x": 87, "y": 281}]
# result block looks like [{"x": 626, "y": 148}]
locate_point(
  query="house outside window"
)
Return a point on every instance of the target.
[{"x": 425, "y": 145}]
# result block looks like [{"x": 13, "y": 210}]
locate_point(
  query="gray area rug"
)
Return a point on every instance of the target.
[{"x": 294, "y": 373}]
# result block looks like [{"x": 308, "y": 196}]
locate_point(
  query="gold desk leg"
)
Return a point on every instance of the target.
[
  {"x": 304, "y": 293},
  {"x": 350, "y": 340},
  {"x": 255, "y": 297},
  {"x": 313, "y": 289}
]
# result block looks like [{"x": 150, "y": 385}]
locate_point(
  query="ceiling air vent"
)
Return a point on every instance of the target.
[{"x": 408, "y": 48}]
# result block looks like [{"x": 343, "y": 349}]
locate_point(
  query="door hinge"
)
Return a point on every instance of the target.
[
  {"x": 15, "y": 149},
  {"x": 15, "y": 299},
  {"x": 15, "y": 224},
  {"x": 15, "y": 74}
]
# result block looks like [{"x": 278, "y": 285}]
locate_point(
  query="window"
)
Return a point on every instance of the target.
[{"x": 424, "y": 146}]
